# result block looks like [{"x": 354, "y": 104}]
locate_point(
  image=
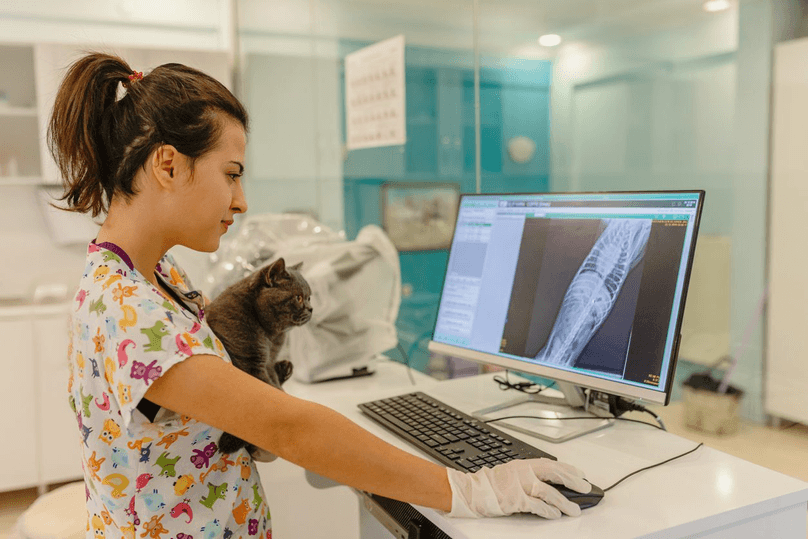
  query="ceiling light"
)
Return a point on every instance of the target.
[
  {"x": 549, "y": 40},
  {"x": 716, "y": 5}
]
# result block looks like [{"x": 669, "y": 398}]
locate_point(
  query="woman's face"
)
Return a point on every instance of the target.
[{"x": 212, "y": 193}]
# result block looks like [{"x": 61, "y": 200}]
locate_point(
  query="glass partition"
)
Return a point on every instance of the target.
[{"x": 646, "y": 94}]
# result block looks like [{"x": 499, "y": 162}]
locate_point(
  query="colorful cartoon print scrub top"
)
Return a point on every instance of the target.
[{"x": 162, "y": 479}]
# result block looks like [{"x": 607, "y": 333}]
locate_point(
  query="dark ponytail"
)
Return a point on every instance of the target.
[{"x": 100, "y": 141}]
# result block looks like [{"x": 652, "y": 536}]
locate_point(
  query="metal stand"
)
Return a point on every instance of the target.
[{"x": 547, "y": 422}]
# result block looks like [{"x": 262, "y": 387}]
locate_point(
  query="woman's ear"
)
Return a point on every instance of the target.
[{"x": 164, "y": 163}]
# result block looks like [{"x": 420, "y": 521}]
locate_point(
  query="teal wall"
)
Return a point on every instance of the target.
[{"x": 441, "y": 148}]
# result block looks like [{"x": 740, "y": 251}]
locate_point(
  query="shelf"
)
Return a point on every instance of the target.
[
  {"x": 17, "y": 112},
  {"x": 25, "y": 181}
]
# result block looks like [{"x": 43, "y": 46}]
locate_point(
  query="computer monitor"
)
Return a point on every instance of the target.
[{"x": 586, "y": 289}]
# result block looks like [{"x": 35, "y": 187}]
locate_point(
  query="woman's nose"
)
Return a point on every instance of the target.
[{"x": 239, "y": 203}]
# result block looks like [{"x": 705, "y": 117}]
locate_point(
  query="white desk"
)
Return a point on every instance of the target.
[{"x": 707, "y": 494}]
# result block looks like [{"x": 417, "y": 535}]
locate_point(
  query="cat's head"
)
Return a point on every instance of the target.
[{"x": 283, "y": 294}]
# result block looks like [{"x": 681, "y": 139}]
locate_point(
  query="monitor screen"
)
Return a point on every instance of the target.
[{"x": 584, "y": 288}]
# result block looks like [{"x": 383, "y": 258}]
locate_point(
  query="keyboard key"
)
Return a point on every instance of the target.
[
  {"x": 392, "y": 419},
  {"x": 440, "y": 439}
]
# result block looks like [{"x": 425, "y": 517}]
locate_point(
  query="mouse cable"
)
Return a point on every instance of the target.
[
  {"x": 653, "y": 466},
  {"x": 619, "y": 419},
  {"x": 406, "y": 361},
  {"x": 525, "y": 387}
]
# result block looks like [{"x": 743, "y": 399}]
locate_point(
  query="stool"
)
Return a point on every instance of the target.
[{"x": 59, "y": 514}]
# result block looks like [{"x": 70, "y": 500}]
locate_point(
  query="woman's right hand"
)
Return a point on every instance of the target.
[{"x": 518, "y": 486}]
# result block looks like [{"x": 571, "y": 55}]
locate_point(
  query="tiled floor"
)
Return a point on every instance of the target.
[{"x": 784, "y": 450}]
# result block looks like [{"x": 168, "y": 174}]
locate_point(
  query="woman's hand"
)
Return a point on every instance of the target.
[{"x": 519, "y": 486}]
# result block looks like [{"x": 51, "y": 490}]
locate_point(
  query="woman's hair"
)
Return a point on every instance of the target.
[{"x": 99, "y": 140}]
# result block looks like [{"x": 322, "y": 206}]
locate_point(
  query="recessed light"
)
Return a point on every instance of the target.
[
  {"x": 716, "y": 5},
  {"x": 549, "y": 40}
]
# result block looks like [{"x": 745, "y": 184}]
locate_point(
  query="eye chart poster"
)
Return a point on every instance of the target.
[{"x": 375, "y": 112}]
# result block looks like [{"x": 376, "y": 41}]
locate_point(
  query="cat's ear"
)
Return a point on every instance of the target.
[
  {"x": 297, "y": 266},
  {"x": 275, "y": 271}
]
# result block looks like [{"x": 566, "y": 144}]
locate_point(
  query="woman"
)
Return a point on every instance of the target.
[{"x": 151, "y": 386}]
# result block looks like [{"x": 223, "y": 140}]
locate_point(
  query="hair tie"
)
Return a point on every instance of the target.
[{"x": 136, "y": 75}]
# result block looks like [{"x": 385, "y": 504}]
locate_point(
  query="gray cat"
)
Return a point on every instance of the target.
[{"x": 251, "y": 319}]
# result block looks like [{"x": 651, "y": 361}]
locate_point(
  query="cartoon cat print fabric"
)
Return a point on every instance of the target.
[{"x": 166, "y": 479}]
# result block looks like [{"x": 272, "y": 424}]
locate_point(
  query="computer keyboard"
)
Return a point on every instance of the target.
[{"x": 452, "y": 437}]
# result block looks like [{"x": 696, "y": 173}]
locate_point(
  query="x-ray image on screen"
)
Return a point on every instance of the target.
[
  {"x": 593, "y": 292},
  {"x": 587, "y": 322}
]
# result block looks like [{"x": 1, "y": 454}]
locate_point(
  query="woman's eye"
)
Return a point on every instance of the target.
[{"x": 234, "y": 177}]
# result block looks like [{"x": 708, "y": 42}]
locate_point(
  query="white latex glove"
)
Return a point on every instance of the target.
[{"x": 517, "y": 486}]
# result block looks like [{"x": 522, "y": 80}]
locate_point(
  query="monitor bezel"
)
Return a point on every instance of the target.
[{"x": 579, "y": 379}]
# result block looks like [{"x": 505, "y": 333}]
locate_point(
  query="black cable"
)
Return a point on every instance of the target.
[
  {"x": 524, "y": 387},
  {"x": 658, "y": 419},
  {"x": 406, "y": 362},
  {"x": 652, "y": 466},
  {"x": 619, "y": 405},
  {"x": 617, "y": 418}
]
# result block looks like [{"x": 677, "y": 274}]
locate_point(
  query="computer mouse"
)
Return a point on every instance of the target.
[{"x": 584, "y": 501}]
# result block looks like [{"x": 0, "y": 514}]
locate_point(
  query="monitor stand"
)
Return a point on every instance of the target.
[{"x": 551, "y": 427}]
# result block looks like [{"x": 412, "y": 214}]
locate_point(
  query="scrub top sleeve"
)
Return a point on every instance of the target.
[{"x": 160, "y": 336}]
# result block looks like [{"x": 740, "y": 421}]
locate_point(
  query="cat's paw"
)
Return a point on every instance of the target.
[
  {"x": 230, "y": 444},
  {"x": 283, "y": 369},
  {"x": 261, "y": 455}
]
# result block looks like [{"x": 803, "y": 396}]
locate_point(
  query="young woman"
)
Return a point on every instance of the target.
[{"x": 152, "y": 388}]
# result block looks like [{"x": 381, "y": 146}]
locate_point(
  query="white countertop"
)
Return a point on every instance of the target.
[{"x": 705, "y": 490}]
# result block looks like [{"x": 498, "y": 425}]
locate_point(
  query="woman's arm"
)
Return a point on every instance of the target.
[{"x": 308, "y": 434}]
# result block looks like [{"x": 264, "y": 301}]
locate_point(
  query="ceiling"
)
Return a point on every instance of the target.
[
  {"x": 509, "y": 22},
  {"x": 504, "y": 26}
]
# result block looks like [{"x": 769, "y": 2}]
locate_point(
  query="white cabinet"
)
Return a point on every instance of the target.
[
  {"x": 57, "y": 440},
  {"x": 17, "y": 400},
  {"x": 40, "y": 441}
]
